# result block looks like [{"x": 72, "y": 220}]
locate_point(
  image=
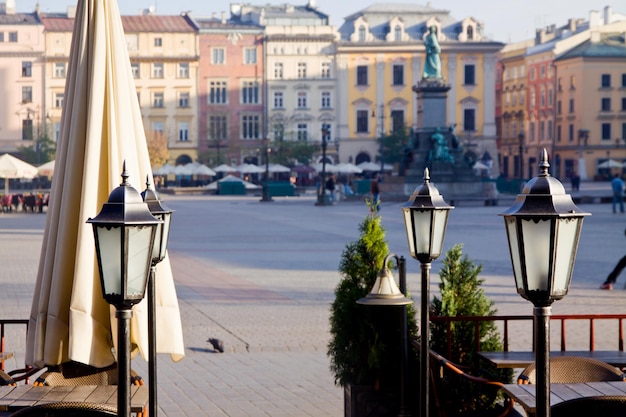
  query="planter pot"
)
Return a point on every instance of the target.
[{"x": 366, "y": 401}]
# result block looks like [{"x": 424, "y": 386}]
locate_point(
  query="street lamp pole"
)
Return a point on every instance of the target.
[
  {"x": 321, "y": 193},
  {"x": 543, "y": 228},
  {"x": 382, "y": 136},
  {"x": 266, "y": 184}
]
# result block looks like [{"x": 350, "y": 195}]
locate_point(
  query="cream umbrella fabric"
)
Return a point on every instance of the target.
[
  {"x": 46, "y": 170},
  {"x": 101, "y": 127},
  {"x": 12, "y": 167}
]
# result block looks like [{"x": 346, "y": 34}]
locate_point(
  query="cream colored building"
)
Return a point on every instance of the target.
[{"x": 22, "y": 46}]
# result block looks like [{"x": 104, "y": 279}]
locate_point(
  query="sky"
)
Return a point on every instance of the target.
[{"x": 505, "y": 21}]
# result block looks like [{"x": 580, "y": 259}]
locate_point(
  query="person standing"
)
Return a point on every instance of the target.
[
  {"x": 330, "y": 186},
  {"x": 618, "y": 193},
  {"x": 375, "y": 190}
]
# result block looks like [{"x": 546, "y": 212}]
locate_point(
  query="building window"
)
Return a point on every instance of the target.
[
  {"x": 279, "y": 132},
  {"x": 361, "y": 75},
  {"x": 572, "y": 82},
  {"x": 135, "y": 69},
  {"x": 469, "y": 120},
  {"x": 325, "y": 69},
  {"x": 278, "y": 70},
  {"x": 218, "y": 127},
  {"x": 469, "y": 75},
  {"x": 27, "y": 94},
  {"x": 623, "y": 80},
  {"x": 183, "y": 132},
  {"x": 571, "y": 105},
  {"x": 606, "y": 104},
  {"x": 361, "y": 33},
  {"x": 397, "y": 121},
  {"x": 158, "y": 42},
  {"x": 397, "y": 33},
  {"x": 531, "y": 131},
  {"x": 558, "y": 133},
  {"x": 250, "y": 92},
  {"x": 571, "y": 133},
  {"x": 362, "y": 119},
  {"x": 398, "y": 75},
  {"x": 542, "y": 98},
  {"x": 542, "y": 71},
  {"x": 217, "y": 92},
  {"x": 558, "y": 107},
  {"x": 27, "y": 129},
  {"x": 302, "y": 131},
  {"x": 606, "y": 131},
  {"x": 550, "y": 127},
  {"x": 1, "y": 36},
  {"x": 27, "y": 69},
  {"x": 59, "y": 69},
  {"x": 58, "y": 100},
  {"x": 158, "y": 130},
  {"x": 278, "y": 100},
  {"x": 542, "y": 130},
  {"x": 326, "y": 100},
  {"x": 624, "y": 131},
  {"x": 218, "y": 56},
  {"x": 550, "y": 98},
  {"x": 13, "y": 37},
  {"x": 249, "y": 56},
  {"x": 157, "y": 70},
  {"x": 250, "y": 126},
  {"x": 183, "y": 70},
  {"x": 605, "y": 81},
  {"x": 158, "y": 100},
  {"x": 301, "y": 100},
  {"x": 623, "y": 103},
  {"x": 326, "y": 132},
  {"x": 301, "y": 70},
  {"x": 183, "y": 99}
]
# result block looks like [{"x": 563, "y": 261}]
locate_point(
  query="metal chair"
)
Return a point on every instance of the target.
[
  {"x": 600, "y": 406},
  {"x": 67, "y": 409},
  {"x": 574, "y": 369},
  {"x": 74, "y": 373}
]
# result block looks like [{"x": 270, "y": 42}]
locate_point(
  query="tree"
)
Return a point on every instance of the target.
[
  {"x": 394, "y": 145},
  {"x": 157, "y": 148},
  {"x": 461, "y": 295},
  {"x": 46, "y": 153}
]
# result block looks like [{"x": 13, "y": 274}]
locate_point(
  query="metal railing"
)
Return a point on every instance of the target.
[{"x": 505, "y": 321}]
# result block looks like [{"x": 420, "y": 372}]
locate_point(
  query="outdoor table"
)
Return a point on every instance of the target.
[
  {"x": 22, "y": 396},
  {"x": 524, "y": 394},
  {"x": 523, "y": 359}
]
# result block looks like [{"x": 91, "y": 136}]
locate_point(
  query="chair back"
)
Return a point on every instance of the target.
[
  {"x": 74, "y": 373},
  {"x": 67, "y": 409},
  {"x": 600, "y": 406},
  {"x": 574, "y": 369}
]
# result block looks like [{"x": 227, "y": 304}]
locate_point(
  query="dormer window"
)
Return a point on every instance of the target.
[
  {"x": 361, "y": 33},
  {"x": 470, "y": 33},
  {"x": 397, "y": 33}
]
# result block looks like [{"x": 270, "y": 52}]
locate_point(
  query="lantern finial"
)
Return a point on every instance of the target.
[
  {"x": 426, "y": 175},
  {"x": 544, "y": 165},
  {"x": 124, "y": 175}
]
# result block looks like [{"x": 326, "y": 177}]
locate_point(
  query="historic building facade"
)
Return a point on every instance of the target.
[{"x": 380, "y": 58}]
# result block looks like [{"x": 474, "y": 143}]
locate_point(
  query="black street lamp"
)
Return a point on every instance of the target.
[
  {"x": 543, "y": 228},
  {"x": 321, "y": 191},
  {"x": 124, "y": 233},
  {"x": 162, "y": 212},
  {"x": 385, "y": 292},
  {"x": 266, "y": 184},
  {"x": 425, "y": 219}
]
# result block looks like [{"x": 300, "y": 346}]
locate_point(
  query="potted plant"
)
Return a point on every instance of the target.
[{"x": 364, "y": 349}]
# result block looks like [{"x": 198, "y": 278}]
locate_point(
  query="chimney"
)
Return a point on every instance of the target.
[
  {"x": 607, "y": 15},
  {"x": 223, "y": 18},
  {"x": 572, "y": 25},
  {"x": 71, "y": 12},
  {"x": 10, "y": 7}
]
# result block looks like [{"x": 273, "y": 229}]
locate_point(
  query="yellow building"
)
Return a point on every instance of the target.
[
  {"x": 380, "y": 58},
  {"x": 591, "y": 106}
]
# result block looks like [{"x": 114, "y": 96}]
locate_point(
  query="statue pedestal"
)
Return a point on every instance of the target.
[{"x": 432, "y": 97}]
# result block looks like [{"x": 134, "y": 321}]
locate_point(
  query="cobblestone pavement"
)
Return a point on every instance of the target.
[{"x": 260, "y": 277}]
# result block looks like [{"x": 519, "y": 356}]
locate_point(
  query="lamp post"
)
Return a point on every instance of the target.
[
  {"x": 321, "y": 192},
  {"x": 266, "y": 184},
  {"x": 381, "y": 115},
  {"x": 385, "y": 292},
  {"x": 543, "y": 227},
  {"x": 425, "y": 219},
  {"x": 124, "y": 233},
  {"x": 162, "y": 212}
]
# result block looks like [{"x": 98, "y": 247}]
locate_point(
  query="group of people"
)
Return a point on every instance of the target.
[{"x": 337, "y": 190}]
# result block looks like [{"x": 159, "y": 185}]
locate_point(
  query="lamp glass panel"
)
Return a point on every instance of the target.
[
  {"x": 566, "y": 244},
  {"x": 536, "y": 235},
  {"x": 386, "y": 285},
  {"x": 422, "y": 221},
  {"x": 156, "y": 249},
  {"x": 139, "y": 256},
  {"x": 167, "y": 218},
  {"x": 511, "y": 232},
  {"x": 440, "y": 220},
  {"x": 408, "y": 225},
  {"x": 110, "y": 245}
]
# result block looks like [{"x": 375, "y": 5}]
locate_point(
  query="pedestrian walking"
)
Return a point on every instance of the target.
[
  {"x": 610, "y": 280},
  {"x": 375, "y": 191},
  {"x": 330, "y": 186},
  {"x": 618, "y": 193}
]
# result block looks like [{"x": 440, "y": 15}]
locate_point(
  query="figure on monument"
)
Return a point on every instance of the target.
[
  {"x": 432, "y": 65},
  {"x": 439, "y": 151}
]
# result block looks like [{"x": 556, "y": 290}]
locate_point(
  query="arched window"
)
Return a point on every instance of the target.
[
  {"x": 361, "y": 33},
  {"x": 470, "y": 33},
  {"x": 397, "y": 33}
]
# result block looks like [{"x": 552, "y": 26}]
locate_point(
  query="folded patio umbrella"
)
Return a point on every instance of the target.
[{"x": 101, "y": 127}]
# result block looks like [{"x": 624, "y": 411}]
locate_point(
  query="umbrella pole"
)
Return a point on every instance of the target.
[
  {"x": 123, "y": 316},
  {"x": 152, "y": 387}
]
